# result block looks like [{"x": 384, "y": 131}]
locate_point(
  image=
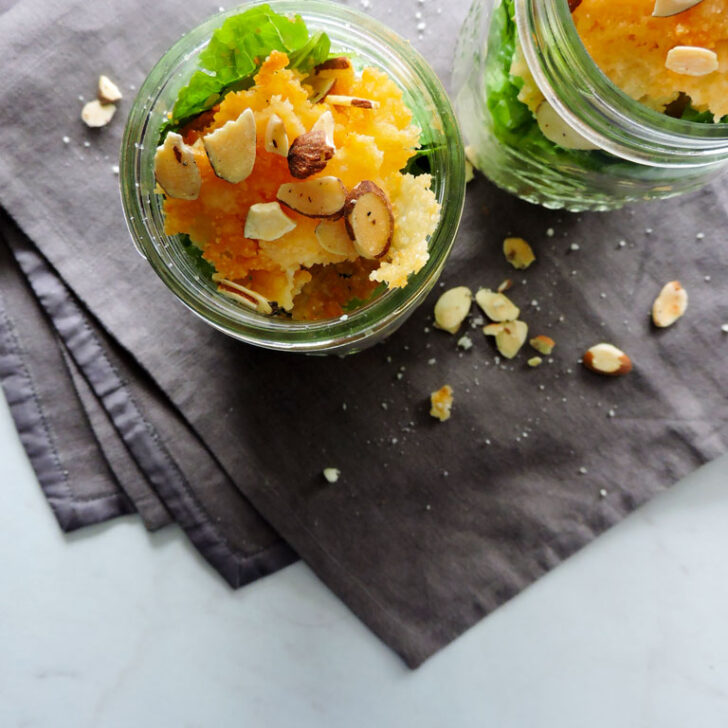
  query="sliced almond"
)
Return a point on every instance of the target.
[
  {"x": 334, "y": 238},
  {"x": 355, "y": 101},
  {"x": 511, "y": 338},
  {"x": 543, "y": 344},
  {"x": 241, "y": 294},
  {"x": 441, "y": 403},
  {"x": 607, "y": 359},
  {"x": 493, "y": 329},
  {"x": 691, "y": 60},
  {"x": 670, "y": 305},
  {"x": 497, "y": 306},
  {"x": 518, "y": 253},
  {"x": 320, "y": 87},
  {"x": 231, "y": 148},
  {"x": 175, "y": 168},
  {"x": 276, "y": 139},
  {"x": 322, "y": 197},
  {"x": 505, "y": 285},
  {"x": 452, "y": 307},
  {"x": 339, "y": 63},
  {"x": 325, "y": 123},
  {"x": 535, "y": 361},
  {"x": 556, "y": 130},
  {"x": 666, "y": 8},
  {"x": 369, "y": 220},
  {"x": 108, "y": 92},
  {"x": 95, "y": 114},
  {"x": 309, "y": 154},
  {"x": 266, "y": 221}
]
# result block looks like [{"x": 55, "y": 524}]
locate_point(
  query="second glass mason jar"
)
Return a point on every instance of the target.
[{"x": 620, "y": 150}]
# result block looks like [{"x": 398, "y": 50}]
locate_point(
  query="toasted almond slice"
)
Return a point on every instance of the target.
[
  {"x": 231, "y": 148},
  {"x": 511, "y": 338},
  {"x": 176, "y": 170},
  {"x": 355, "y": 101},
  {"x": 691, "y": 60},
  {"x": 95, "y": 114},
  {"x": 556, "y": 130},
  {"x": 535, "y": 361},
  {"x": 334, "y": 238},
  {"x": 452, "y": 307},
  {"x": 497, "y": 306},
  {"x": 543, "y": 344},
  {"x": 322, "y": 197},
  {"x": 309, "y": 154},
  {"x": 276, "y": 139},
  {"x": 339, "y": 63},
  {"x": 666, "y": 8},
  {"x": 505, "y": 285},
  {"x": 241, "y": 294},
  {"x": 325, "y": 123},
  {"x": 670, "y": 305},
  {"x": 108, "y": 92},
  {"x": 441, "y": 403},
  {"x": 369, "y": 220},
  {"x": 493, "y": 329},
  {"x": 518, "y": 253},
  {"x": 607, "y": 359},
  {"x": 320, "y": 87},
  {"x": 266, "y": 221}
]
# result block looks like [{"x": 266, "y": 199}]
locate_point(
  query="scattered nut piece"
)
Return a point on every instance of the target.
[
  {"x": 511, "y": 338},
  {"x": 334, "y": 238},
  {"x": 452, "y": 307},
  {"x": 666, "y": 8},
  {"x": 543, "y": 344},
  {"x": 441, "y": 403},
  {"x": 607, "y": 359},
  {"x": 276, "y": 139},
  {"x": 108, "y": 92},
  {"x": 320, "y": 87},
  {"x": 556, "y": 130},
  {"x": 691, "y": 60},
  {"x": 518, "y": 253},
  {"x": 266, "y": 221},
  {"x": 497, "y": 306},
  {"x": 670, "y": 305},
  {"x": 175, "y": 169},
  {"x": 309, "y": 154},
  {"x": 322, "y": 197},
  {"x": 325, "y": 123},
  {"x": 505, "y": 285},
  {"x": 241, "y": 294},
  {"x": 340, "y": 63},
  {"x": 231, "y": 148},
  {"x": 369, "y": 220},
  {"x": 465, "y": 342},
  {"x": 355, "y": 101},
  {"x": 95, "y": 114},
  {"x": 535, "y": 361},
  {"x": 331, "y": 474},
  {"x": 493, "y": 329}
]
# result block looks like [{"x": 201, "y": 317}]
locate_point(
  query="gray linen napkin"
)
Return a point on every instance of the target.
[{"x": 432, "y": 525}]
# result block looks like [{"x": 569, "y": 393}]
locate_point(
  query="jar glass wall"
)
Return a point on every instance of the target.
[
  {"x": 368, "y": 43},
  {"x": 618, "y": 150}
]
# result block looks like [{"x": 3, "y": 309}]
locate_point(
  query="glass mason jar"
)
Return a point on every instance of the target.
[
  {"x": 368, "y": 43},
  {"x": 628, "y": 152}
]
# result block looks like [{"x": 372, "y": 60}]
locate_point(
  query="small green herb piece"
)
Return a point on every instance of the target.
[
  {"x": 419, "y": 162},
  {"x": 203, "y": 267}
]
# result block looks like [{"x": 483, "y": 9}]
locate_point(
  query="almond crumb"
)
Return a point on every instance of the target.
[
  {"x": 441, "y": 403},
  {"x": 542, "y": 344},
  {"x": 518, "y": 253}
]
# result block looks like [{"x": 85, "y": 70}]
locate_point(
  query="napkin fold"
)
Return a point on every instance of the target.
[{"x": 431, "y": 525}]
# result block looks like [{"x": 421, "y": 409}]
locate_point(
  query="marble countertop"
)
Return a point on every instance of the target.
[{"x": 112, "y": 626}]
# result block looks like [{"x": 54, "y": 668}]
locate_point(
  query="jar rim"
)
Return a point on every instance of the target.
[
  {"x": 355, "y": 328},
  {"x": 589, "y": 101}
]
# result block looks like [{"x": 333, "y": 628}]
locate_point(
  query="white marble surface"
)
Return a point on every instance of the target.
[{"x": 114, "y": 627}]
